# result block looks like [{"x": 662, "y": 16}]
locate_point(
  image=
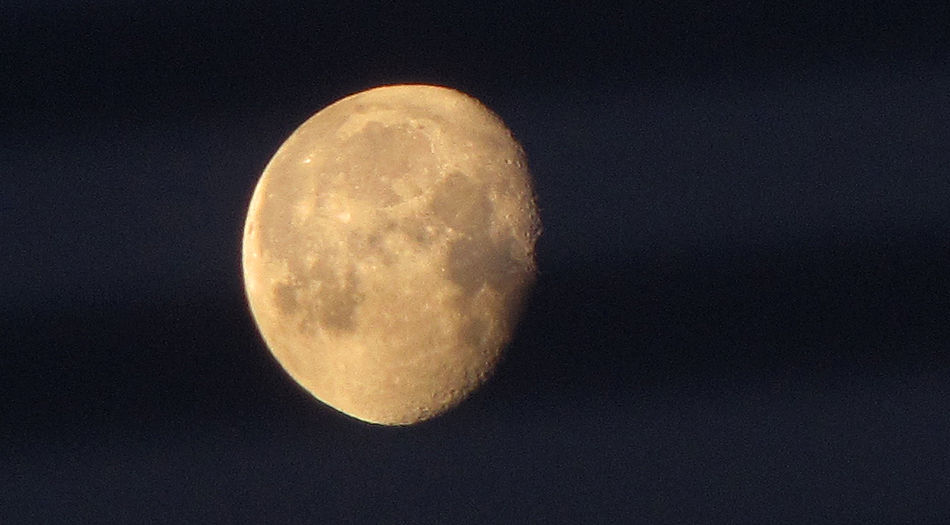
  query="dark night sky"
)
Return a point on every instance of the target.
[{"x": 743, "y": 308}]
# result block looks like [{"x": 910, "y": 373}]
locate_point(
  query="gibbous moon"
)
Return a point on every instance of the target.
[{"x": 389, "y": 249}]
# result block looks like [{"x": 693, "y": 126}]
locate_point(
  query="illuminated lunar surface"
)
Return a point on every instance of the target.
[{"x": 388, "y": 251}]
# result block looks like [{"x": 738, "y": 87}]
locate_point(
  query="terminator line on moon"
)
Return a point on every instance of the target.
[{"x": 389, "y": 249}]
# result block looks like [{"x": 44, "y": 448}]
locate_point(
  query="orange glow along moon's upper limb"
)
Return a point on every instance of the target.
[{"x": 388, "y": 249}]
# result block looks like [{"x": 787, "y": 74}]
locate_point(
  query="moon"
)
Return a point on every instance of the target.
[{"x": 389, "y": 249}]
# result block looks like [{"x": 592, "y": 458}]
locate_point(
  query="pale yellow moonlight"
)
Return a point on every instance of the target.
[{"x": 389, "y": 249}]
